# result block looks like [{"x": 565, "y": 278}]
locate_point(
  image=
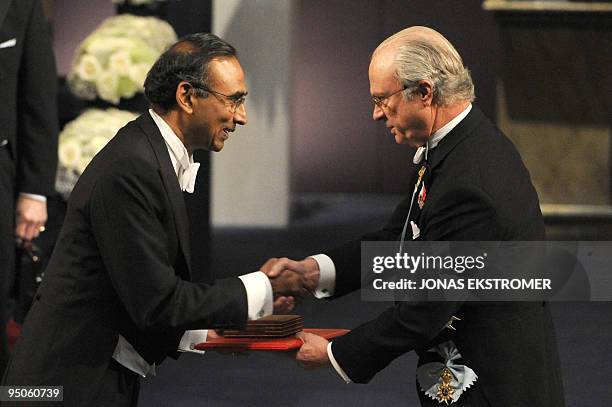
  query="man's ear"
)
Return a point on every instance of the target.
[
  {"x": 425, "y": 92},
  {"x": 184, "y": 93}
]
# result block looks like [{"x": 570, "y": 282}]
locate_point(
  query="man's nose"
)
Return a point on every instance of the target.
[
  {"x": 240, "y": 116},
  {"x": 378, "y": 113}
]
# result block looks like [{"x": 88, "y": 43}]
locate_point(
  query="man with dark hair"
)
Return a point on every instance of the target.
[
  {"x": 471, "y": 186},
  {"x": 186, "y": 61},
  {"x": 116, "y": 298},
  {"x": 28, "y": 135}
]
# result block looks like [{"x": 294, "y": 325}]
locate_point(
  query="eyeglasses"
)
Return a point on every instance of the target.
[
  {"x": 382, "y": 101},
  {"x": 233, "y": 101}
]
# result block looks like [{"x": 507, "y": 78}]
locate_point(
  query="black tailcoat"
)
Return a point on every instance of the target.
[
  {"x": 121, "y": 266},
  {"x": 477, "y": 190}
]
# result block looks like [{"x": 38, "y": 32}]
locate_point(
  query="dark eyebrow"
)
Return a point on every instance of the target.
[{"x": 238, "y": 95}]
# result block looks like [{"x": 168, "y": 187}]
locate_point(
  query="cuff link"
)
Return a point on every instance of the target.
[{"x": 449, "y": 324}]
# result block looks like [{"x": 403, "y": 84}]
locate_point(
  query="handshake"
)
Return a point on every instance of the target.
[
  {"x": 291, "y": 281},
  {"x": 294, "y": 280}
]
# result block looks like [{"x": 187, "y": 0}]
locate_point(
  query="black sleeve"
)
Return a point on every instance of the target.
[
  {"x": 125, "y": 210},
  {"x": 460, "y": 214},
  {"x": 346, "y": 257},
  {"x": 37, "y": 109}
]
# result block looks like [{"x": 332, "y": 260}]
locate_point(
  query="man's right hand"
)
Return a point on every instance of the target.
[
  {"x": 289, "y": 283},
  {"x": 308, "y": 268},
  {"x": 304, "y": 274}
]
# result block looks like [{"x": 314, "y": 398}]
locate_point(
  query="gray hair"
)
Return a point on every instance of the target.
[{"x": 424, "y": 54}]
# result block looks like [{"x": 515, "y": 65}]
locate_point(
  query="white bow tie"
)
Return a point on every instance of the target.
[
  {"x": 188, "y": 177},
  {"x": 418, "y": 155},
  {"x": 421, "y": 152}
]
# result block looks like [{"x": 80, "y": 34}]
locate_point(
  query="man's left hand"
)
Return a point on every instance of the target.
[
  {"x": 313, "y": 353},
  {"x": 284, "y": 305},
  {"x": 30, "y": 218}
]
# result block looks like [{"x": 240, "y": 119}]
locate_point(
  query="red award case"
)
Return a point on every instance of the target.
[{"x": 269, "y": 344}]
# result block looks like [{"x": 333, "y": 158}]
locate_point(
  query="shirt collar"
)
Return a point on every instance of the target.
[
  {"x": 178, "y": 152},
  {"x": 440, "y": 134}
]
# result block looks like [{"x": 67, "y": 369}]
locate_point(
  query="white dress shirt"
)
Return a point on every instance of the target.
[
  {"x": 257, "y": 285},
  {"x": 327, "y": 279}
]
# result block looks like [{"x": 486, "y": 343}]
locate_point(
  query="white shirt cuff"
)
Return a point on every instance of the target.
[
  {"x": 259, "y": 294},
  {"x": 327, "y": 276},
  {"x": 35, "y": 197},
  {"x": 190, "y": 339},
  {"x": 335, "y": 364}
]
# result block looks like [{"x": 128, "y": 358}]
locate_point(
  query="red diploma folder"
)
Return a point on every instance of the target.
[{"x": 274, "y": 344}]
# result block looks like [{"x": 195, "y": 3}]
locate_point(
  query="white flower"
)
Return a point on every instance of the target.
[
  {"x": 102, "y": 46},
  {"x": 89, "y": 68},
  {"x": 119, "y": 63},
  {"x": 123, "y": 46},
  {"x": 98, "y": 126},
  {"x": 82, "y": 139},
  {"x": 127, "y": 88},
  {"x": 138, "y": 74},
  {"x": 82, "y": 164},
  {"x": 69, "y": 153},
  {"x": 107, "y": 85},
  {"x": 96, "y": 144}
]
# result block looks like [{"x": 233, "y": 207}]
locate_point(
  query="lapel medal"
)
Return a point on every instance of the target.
[
  {"x": 445, "y": 389},
  {"x": 422, "y": 196},
  {"x": 421, "y": 173}
]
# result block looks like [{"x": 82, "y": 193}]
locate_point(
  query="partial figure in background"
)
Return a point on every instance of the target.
[
  {"x": 28, "y": 135},
  {"x": 471, "y": 186}
]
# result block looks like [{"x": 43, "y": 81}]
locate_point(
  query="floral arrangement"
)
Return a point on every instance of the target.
[
  {"x": 81, "y": 139},
  {"x": 113, "y": 61}
]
